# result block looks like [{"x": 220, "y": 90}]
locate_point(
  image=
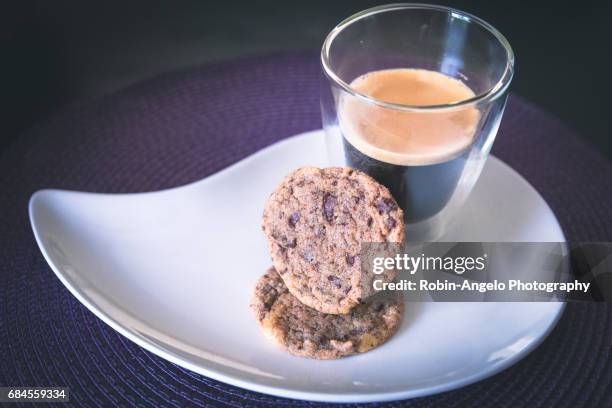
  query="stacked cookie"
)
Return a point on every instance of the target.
[{"x": 317, "y": 301}]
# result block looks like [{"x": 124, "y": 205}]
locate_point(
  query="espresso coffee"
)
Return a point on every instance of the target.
[{"x": 418, "y": 154}]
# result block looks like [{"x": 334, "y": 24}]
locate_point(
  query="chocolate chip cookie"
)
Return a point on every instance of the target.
[
  {"x": 316, "y": 221},
  {"x": 305, "y": 332}
]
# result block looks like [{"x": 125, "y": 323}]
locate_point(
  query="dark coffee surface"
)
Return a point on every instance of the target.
[
  {"x": 183, "y": 126},
  {"x": 421, "y": 191}
]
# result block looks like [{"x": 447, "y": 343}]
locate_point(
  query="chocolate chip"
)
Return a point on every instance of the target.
[
  {"x": 329, "y": 202},
  {"x": 308, "y": 256},
  {"x": 292, "y": 244},
  {"x": 370, "y": 222},
  {"x": 348, "y": 289},
  {"x": 293, "y": 219},
  {"x": 385, "y": 205},
  {"x": 391, "y": 223},
  {"x": 284, "y": 242},
  {"x": 334, "y": 280},
  {"x": 356, "y": 199},
  {"x": 350, "y": 259}
]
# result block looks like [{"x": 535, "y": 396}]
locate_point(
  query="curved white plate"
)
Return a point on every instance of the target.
[{"x": 173, "y": 271}]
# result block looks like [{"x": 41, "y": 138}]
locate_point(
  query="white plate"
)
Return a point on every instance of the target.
[{"x": 173, "y": 271}]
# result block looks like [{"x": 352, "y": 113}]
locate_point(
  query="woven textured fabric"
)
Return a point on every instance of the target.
[{"x": 183, "y": 126}]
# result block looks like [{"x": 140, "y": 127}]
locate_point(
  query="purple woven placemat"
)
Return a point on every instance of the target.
[{"x": 183, "y": 126}]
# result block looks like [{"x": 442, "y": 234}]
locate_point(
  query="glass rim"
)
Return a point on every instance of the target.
[{"x": 489, "y": 95}]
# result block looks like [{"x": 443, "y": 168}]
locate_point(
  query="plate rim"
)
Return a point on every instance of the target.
[{"x": 320, "y": 396}]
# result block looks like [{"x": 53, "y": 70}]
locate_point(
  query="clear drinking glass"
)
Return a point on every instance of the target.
[{"x": 428, "y": 154}]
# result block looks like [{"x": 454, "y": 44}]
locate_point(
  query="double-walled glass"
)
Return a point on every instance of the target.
[{"x": 428, "y": 155}]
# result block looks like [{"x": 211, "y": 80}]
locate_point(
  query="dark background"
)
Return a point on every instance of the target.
[{"x": 58, "y": 52}]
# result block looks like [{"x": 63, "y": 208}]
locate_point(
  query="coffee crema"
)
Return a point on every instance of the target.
[
  {"x": 406, "y": 137},
  {"x": 419, "y": 155}
]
